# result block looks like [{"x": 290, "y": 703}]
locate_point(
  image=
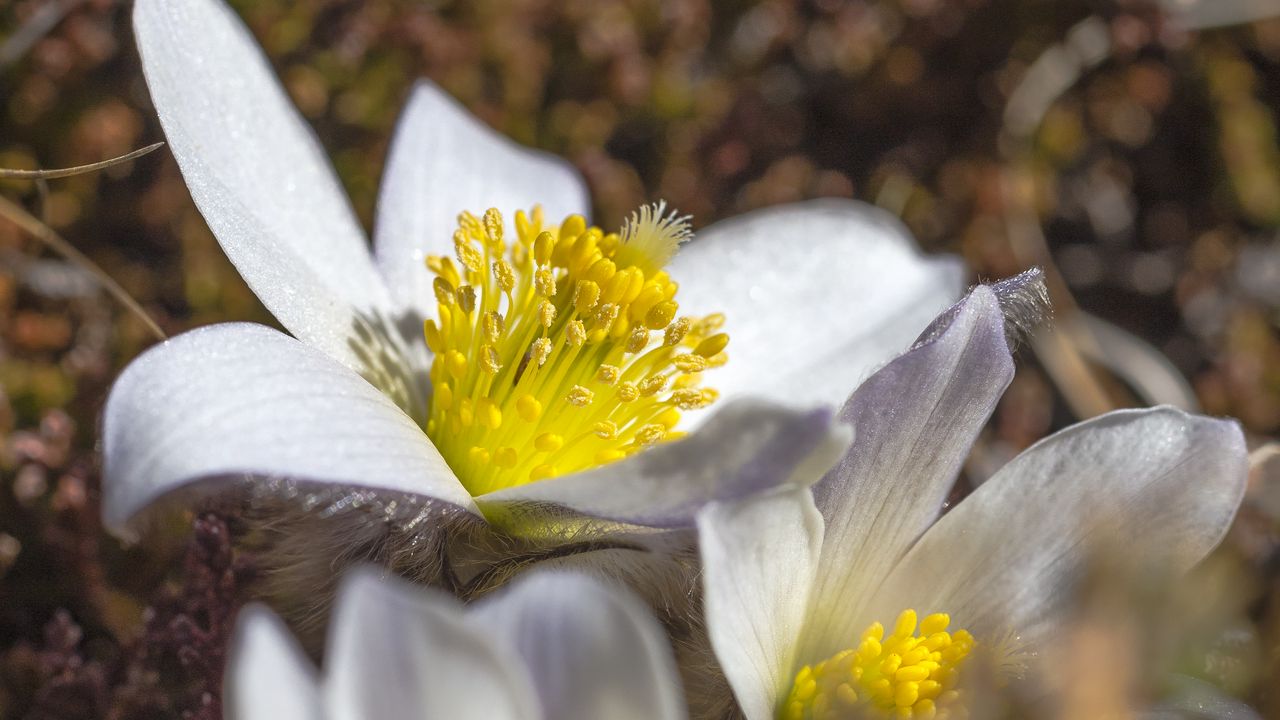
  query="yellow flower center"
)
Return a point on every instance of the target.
[
  {"x": 909, "y": 674},
  {"x": 560, "y": 350}
]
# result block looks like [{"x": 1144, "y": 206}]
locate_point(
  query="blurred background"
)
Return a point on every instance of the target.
[{"x": 1129, "y": 147}]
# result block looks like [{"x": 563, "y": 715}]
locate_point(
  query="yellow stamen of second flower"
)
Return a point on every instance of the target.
[
  {"x": 912, "y": 673},
  {"x": 560, "y": 349}
]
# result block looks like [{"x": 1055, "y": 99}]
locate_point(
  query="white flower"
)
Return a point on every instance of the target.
[
  {"x": 551, "y": 645},
  {"x": 858, "y": 595},
  {"x": 814, "y": 294}
]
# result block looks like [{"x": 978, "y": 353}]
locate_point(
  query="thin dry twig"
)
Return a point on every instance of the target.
[
  {"x": 8, "y": 174},
  {"x": 30, "y": 223}
]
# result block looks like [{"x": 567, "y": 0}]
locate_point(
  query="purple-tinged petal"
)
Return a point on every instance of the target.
[
  {"x": 1159, "y": 485},
  {"x": 747, "y": 447},
  {"x": 915, "y": 421}
]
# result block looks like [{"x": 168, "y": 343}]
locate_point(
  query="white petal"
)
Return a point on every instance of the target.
[
  {"x": 1160, "y": 485},
  {"x": 443, "y": 161},
  {"x": 226, "y": 402},
  {"x": 594, "y": 653},
  {"x": 400, "y": 651},
  {"x": 268, "y": 676},
  {"x": 816, "y": 295},
  {"x": 256, "y": 172},
  {"x": 748, "y": 446},
  {"x": 759, "y": 557},
  {"x": 915, "y": 421}
]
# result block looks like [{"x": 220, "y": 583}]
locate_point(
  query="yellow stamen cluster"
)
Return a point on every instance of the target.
[
  {"x": 560, "y": 349},
  {"x": 908, "y": 674}
]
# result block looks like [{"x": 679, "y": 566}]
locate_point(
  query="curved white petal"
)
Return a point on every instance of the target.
[
  {"x": 400, "y": 651},
  {"x": 759, "y": 557},
  {"x": 443, "y": 161},
  {"x": 816, "y": 295},
  {"x": 256, "y": 172},
  {"x": 915, "y": 422},
  {"x": 1159, "y": 485},
  {"x": 268, "y": 676},
  {"x": 594, "y": 653},
  {"x": 238, "y": 400},
  {"x": 748, "y": 446}
]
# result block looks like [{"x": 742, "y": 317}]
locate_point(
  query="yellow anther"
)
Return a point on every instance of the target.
[
  {"x": 456, "y": 364},
  {"x": 605, "y": 315},
  {"x": 676, "y": 332},
  {"x": 544, "y": 282},
  {"x": 531, "y": 326},
  {"x": 506, "y": 457},
  {"x": 934, "y": 623},
  {"x": 443, "y": 397},
  {"x": 548, "y": 442},
  {"x": 493, "y": 225},
  {"x": 432, "y": 333},
  {"x": 505, "y": 275},
  {"x": 576, "y": 333},
  {"x": 489, "y": 414},
  {"x": 650, "y": 295},
  {"x": 608, "y": 455},
  {"x": 708, "y": 324},
  {"x": 467, "y": 298},
  {"x": 601, "y": 271},
  {"x": 585, "y": 296},
  {"x": 899, "y": 676},
  {"x": 652, "y": 385},
  {"x": 493, "y": 325},
  {"x": 660, "y": 315},
  {"x": 542, "y": 247},
  {"x": 546, "y": 314},
  {"x": 444, "y": 291},
  {"x": 579, "y": 396},
  {"x": 608, "y": 374},
  {"x": 691, "y": 363},
  {"x": 712, "y": 346},
  {"x": 650, "y": 434},
  {"x": 470, "y": 258},
  {"x": 540, "y": 351},
  {"x": 529, "y": 408},
  {"x": 637, "y": 340}
]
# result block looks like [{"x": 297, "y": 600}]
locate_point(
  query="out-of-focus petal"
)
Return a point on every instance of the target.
[
  {"x": 443, "y": 161},
  {"x": 268, "y": 676},
  {"x": 759, "y": 557},
  {"x": 594, "y": 653},
  {"x": 915, "y": 421},
  {"x": 256, "y": 172},
  {"x": 816, "y": 296},
  {"x": 226, "y": 402},
  {"x": 1203, "y": 14},
  {"x": 1159, "y": 485},
  {"x": 748, "y": 446},
  {"x": 400, "y": 651}
]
